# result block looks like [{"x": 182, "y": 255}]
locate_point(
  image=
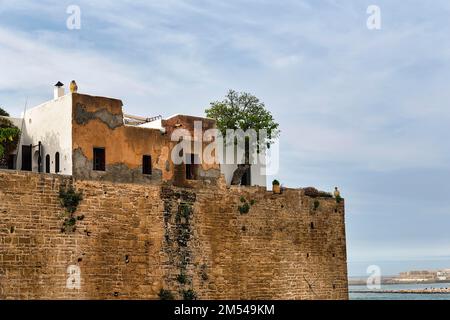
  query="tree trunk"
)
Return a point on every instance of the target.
[{"x": 238, "y": 173}]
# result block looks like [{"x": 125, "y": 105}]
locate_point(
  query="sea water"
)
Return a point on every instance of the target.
[{"x": 398, "y": 296}]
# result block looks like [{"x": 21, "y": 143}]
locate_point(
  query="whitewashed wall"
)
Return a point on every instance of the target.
[
  {"x": 257, "y": 171},
  {"x": 50, "y": 123},
  {"x": 258, "y": 176}
]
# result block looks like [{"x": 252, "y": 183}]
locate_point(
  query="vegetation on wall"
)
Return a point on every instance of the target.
[
  {"x": 182, "y": 219},
  {"x": 182, "y": 278},
  {"x": 178, "y": 213},
  {"x": 70, "y": 199},
  {"x": 316, "y": 205},
  {"x": 314, "y": 193},
  {"x": 244, "y": 111},
  {"x": 203, "y": 272},
  {"x": 165, "y": 294},
  {"x": 189, "y": 294},
  {"x": 246, "y": 205}
]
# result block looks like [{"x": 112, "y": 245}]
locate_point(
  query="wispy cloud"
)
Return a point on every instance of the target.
[{"x": 366, "y": 110}]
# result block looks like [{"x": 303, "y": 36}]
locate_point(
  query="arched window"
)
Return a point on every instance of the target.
[
  {"x": 57, "y": 162},
  {"x": 47, "y": 163}
]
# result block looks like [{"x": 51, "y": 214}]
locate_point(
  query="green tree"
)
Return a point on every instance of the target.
[
  {"x": 244, "y": 111},
  {"x": 9, "y": 135},
  {"x": 3, "y": 113}
]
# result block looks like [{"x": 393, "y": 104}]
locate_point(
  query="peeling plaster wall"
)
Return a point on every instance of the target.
[
  {"x": 98, "y": 122},
  {"x": 82, "y": 116},
  {"x": 51, "y": 124},
  {"x": 114, "y": 172}
]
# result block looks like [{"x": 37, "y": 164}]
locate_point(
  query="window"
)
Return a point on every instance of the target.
[
  {"x": 26, "y": 157},
  {"x": 99, "y": 159},
  {"x": 47, "y": 163},
  {"x": 191, "y": 166},
  {"x": 147, "y": 164},
  {"x": 57, "y": 162}
]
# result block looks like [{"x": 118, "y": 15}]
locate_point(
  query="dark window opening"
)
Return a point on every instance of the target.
[
  {"x": 246, "y": 178},
  {"x": 147, "y": 164},
  {"x": 39, "y": 157},
  {"x": 57, "y": 162},
  {"x": 47, "y": 163},
  {"x": 11, "y": 161},
  {"x": 312, "y": 225},
  {"x": 26, "y": 157},
  {"x": 191, "y": 166},
  {"x": 99, "y": 159}
]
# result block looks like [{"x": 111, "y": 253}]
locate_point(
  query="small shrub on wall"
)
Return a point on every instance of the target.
[{"x": 70, "y": 200}]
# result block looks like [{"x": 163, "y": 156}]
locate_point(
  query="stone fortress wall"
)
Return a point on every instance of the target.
[{"x": 136, "y": 239}]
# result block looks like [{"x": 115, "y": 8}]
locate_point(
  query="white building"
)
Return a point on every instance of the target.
[{"x": 54, "y": 132}]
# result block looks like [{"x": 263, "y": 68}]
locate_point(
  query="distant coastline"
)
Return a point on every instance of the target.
[
  {"x": 413, "y": 291},
  {"x": 408, "y": 277},
  {"x": 402, "y": 291},
  {"x": 391, "y": 281}
]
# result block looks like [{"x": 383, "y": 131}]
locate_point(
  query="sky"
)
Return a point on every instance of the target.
[{"x": 365, "y": 110}]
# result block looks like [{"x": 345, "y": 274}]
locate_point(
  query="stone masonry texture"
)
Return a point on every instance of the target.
[{"x": 136, "y": 239}]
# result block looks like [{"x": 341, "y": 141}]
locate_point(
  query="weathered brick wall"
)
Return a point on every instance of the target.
[{"x": 135, "y": 240}]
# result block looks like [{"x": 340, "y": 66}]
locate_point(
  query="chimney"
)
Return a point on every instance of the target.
[{"x": 58, "y": 90}]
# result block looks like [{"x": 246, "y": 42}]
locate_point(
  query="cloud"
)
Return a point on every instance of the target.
[{"x": 365, "y": 110}]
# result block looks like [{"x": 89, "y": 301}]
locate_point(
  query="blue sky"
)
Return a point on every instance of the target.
[{"x": 364, "y": 110}]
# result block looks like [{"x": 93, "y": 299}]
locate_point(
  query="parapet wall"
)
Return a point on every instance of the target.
[{"x": 135, "y": 240}]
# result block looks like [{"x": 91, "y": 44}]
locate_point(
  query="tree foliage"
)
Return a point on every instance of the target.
[
  {"x": 9, "y": 134},
  {"x": 243, "y": 111},
  {"x": 3, "y": 113}
]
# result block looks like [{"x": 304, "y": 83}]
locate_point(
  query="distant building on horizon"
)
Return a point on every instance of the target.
[{"x": 423, "y": 275}]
